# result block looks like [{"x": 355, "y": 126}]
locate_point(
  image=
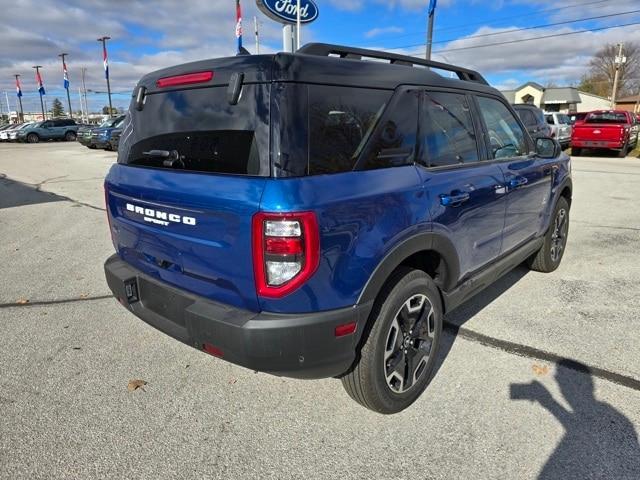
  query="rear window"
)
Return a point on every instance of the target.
[
  {"x": 606, "y": 117},
  {"x": 198, "y": 130}
]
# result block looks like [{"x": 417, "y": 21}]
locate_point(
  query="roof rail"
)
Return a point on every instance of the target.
[{"x": 325, "y": 50}]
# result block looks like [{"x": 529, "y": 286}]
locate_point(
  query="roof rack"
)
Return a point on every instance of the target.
[{"x": 325, "y": 50}]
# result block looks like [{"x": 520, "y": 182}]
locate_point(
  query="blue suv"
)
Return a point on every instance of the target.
[{"x": 316, "y": 214}]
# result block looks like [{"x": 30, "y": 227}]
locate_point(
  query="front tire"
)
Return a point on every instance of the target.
[
  {"x": 548, "y": 258},
  {"x": 399, "y": 354},
  {"x": 33, "y": 138}
]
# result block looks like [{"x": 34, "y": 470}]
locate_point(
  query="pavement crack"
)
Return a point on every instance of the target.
[
  {"x": 611, "y": 227},
  {"x": 54, "y": 302},
  {"x": 531, "y": 352}
]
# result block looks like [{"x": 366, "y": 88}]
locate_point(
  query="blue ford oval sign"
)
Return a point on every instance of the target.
[{"x": 286, "y": 11}]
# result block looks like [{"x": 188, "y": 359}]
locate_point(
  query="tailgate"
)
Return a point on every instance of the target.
[
  {"x": 598, "y": 132},
  {"x": 190, "y": 230}
]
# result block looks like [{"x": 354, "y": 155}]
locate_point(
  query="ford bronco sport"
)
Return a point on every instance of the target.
[{"x": 316, "y": 214}]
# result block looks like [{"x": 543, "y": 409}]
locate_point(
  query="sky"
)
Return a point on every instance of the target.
[{"x": 148, "y": 35}]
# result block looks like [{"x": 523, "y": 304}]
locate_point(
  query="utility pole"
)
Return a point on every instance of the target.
[
  {"x": 84, "y": 94},
  {"x": 619, "y": 62},
  {"x": 66, "y": 82},
  {"x": 431, "y": 17},
  {"x": 19, "y": 91},
  {"x": 255, "y": 29},
  {"x": 103, "y": 40},
  {"x": 40, "y": 89},
  {"x": 81, "y": 106}
]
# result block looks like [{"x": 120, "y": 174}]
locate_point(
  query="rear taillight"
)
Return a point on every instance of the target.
[
  {"x": 286, "y": 251},
  {"x": 106, "y": 206},
  {"x": 185, "y": 79}
]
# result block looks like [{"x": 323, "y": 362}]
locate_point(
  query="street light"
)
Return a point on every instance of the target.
[
  {"x": 105, "y": 61},
  {"x": 40, "y": 88},
  {"x": 66, "y": 82}
]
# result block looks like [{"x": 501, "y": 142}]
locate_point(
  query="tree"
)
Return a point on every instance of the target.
[
  {"x": 602, "y": 69},
  {"x": 57, "y": 109},
  {"x": 105, "y": 110}
]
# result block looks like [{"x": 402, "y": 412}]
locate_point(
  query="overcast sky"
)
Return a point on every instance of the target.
[{"x": 148, "y": 35}]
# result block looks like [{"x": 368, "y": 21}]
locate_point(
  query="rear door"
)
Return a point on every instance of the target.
[
  {"x": 527, "y": 177},
  {"x": 466, "y": 192},
  {"x": 185, "y": 217}
]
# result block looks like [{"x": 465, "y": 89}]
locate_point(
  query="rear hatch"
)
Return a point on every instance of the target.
[{"x": 190, "y": 174}]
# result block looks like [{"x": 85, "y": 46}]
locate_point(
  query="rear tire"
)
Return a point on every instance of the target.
[
  {"x": 576, "y": 151},
  {"x": 70, "y": 137},
  {"x": 399, "y": 353},
  {"x": 548, "y": 258},
  {"x": 623, "y": 153},
  {"x": 33, "y": 138}
]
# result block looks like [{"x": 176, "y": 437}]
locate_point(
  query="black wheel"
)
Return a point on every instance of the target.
[
  {"x": 623, "y": 153},
  {"x": 576, "y": 151},
  {"x": 398, "y": 355},
  {"x": 33, "y": 138},
  {"x": 548, "y": 258},
  {"x": 92, "y": 147},
  {"x": 70, "y": 136}
]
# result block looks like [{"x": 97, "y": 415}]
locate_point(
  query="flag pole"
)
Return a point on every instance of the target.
[
  {"x": 19, "y": 95},
  {"x": 40, "y": 89},
  {"x": 432, "y": 14},
  {"x": 106, "y": 70},
  {"x": 66, "y": 82}
]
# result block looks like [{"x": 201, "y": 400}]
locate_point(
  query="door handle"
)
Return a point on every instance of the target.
[
  {"x": 517, "y": 182},
  {"x": 454, "y": 200}
]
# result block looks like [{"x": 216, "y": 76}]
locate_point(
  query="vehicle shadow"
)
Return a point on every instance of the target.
[
  {"x": 17, "y": 194},
  {"x": 458, "y": 317},
  {"x": 599, "y": 441}
]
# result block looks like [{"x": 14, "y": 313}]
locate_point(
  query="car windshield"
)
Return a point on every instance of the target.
[
  {"x": 606, "y": 117},
  {"x": 109, "y": 123}
]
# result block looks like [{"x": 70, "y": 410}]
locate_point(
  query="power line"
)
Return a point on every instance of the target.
[
  {"x": 498, "y": 20},
  {"x": 587, "y": 30},
  {"x": 533, "y": 27}
]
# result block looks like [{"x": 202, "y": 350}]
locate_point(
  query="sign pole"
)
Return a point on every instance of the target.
[
  {"x": 432, "y": 14},
  {"x": 298, "y": 21}
]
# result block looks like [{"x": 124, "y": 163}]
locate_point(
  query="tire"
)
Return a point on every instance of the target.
[
  {"x": 70, "y": 137},
  {"x": 92, "y": 147},
  {"x": 548, "y": 258},
  {"x": 575, "y": 151},
  {"x": 623, "y": 153},
  {"x": 33, "y": 138},
  {"x": 409, "y": 298}
]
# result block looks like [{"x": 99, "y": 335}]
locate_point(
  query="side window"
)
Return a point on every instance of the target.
[
  {"x": 47, "y": 125},
  {"x": 506, "y": 137},
  {"x": 393, "y": 142},
  {"x": 341, "y": 120},
  {"x": 527, "y": 118},
  {"x": 550, "y": 119},
  {"x": 447, "y": 130}
]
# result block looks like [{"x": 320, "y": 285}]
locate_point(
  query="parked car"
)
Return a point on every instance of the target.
[
  {"x": 86, "y": 135},
  {"x": 101, "y": 135},
  {"x": 315, "y": 215},
  {"x": 56, "y": 129},
  {"x": 114, "y": 141},
  {"x": 606, "y": 129},
  {"x": 4, "y": 134},
  {"x": 533, "y": 119},
  {"x": 14, "y": 133},
  {"x": 576, "y": 117},
  {"x": 560, "y": 127}
]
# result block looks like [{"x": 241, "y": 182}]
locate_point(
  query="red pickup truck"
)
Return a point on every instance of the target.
[{"x": 606, "y": 129}]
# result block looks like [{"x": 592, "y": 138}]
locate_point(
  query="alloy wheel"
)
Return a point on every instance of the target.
[{"x": 559, "y": 236}]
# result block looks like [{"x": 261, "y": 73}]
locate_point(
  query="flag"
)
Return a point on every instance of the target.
[
  {"x": 239, "y": 25},
  {"x": 39, "y": 82},
  {"x": 432, "y": 7},
  {"x": 18, "y": 89},
  {"x": 65, "y": 75},
  {"x": 105, "y": 60}
]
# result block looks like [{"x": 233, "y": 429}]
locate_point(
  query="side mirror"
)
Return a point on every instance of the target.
[{"x": 547, "y": 148}]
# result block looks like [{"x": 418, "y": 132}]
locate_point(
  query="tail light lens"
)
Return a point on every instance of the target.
[
  {"x": 106, "y": 205},
  {"x": 286, "y": 251}
]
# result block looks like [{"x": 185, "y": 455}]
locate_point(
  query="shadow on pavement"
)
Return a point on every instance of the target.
[
  {"x": 16, "y": 194},
  {"x": 458, "y": 317},
  {"x": 599, "y": 441}
]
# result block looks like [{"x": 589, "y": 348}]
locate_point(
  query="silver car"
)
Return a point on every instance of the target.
[{"x": 560, "y": 127}]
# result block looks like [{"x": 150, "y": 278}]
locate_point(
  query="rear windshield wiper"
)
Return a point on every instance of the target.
[{"x": 171, "y": 159}]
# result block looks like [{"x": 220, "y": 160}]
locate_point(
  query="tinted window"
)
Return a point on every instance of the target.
[
  {"x": 506, "y": 137},
  {"x": 393, "y": 141},
  {"x": 564, "y": 119},
  {"x": 447, "y": 130},
  {"x": 341, "y": 120},
  {"x": 606, "y": 117},
  {"x": 208, "y": 134},
  {"x": 527, "y": 118},
  {"x": 549, "y": 119}
]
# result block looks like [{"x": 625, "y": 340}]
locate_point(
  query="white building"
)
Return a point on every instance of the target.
[{"x": 556, "y": 99}]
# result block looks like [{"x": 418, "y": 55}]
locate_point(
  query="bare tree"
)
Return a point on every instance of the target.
[{"x": 602, "y": 70}]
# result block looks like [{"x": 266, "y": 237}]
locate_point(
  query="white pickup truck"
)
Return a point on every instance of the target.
[{"x": 560, "y": 127}]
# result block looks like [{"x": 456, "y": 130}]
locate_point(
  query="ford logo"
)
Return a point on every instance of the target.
[{"x": 285, "y": 11}]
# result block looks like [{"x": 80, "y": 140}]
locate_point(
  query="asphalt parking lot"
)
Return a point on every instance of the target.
[{"x": 68, "y": 351}]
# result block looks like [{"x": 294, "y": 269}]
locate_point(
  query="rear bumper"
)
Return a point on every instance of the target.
[
  {"x": 291, "y": 345},
  {"x": 597, "y": 144}
]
